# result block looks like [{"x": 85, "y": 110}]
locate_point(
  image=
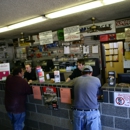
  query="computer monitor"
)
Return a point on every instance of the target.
[
  {"x": 62, "y": 77},
  {"x": 123, "y": 77}
]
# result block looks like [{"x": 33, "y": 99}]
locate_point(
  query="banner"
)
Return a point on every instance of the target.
[{"x": 101, "y": 28}]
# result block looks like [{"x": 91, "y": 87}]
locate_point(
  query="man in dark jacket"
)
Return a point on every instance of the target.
[
  {"x": 78, "y": 71},
  {"x": 16, "y": 91},
  {"x": 30, "y": 73}
]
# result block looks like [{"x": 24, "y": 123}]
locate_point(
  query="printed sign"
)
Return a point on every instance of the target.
[
  {"x": 46, "y": 37},
  {"x": 72, "y": 33},
  {"x": 65, "y": 95},
  {"x": 4, "y": 71},
  {"x": 49, "y": 94},
  {"x": 122, "y": 99},
  {"x": 101, "y": 28},
  {"x": 36, "y": 92},
  {"x": 122, "y": 23}
]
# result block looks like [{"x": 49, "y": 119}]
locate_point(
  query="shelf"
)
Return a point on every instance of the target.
[{"x": 111, "y": 54}]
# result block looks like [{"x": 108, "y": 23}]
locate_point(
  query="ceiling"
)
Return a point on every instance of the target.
[{"x": 14, "y": 11}]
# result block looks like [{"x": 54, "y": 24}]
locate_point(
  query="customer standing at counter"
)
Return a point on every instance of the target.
[
  {"x": 16, "y": 91},
  {"x": 30, "y": 73},
  {"x": 86, "y": 115},
  {"x": 78, "y": 71}
]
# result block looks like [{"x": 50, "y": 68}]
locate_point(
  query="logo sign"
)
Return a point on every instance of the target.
[
  {"x": 46, "y": 37},
  {"x": 98, "y": 28},
  {"x": 123, "y": 23},
  {"x": 72, "y": 33},
  {"x": 122, "y": 99}
]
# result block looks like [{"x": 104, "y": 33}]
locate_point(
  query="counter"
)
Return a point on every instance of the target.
[{"x": 40, "y": 117}]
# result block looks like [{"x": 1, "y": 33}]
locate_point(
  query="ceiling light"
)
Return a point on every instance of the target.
[
  {"x": 75, "y": 9},
  {"x": 28, "y": 22},
  {"x": 107, "y": 2},
  {"x": 4, "y": 29}
]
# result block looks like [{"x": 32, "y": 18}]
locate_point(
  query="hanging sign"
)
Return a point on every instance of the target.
[
  {"x": 46, "y": 37},
  {"x": 122, "y": 99},
  {"x": 72, "y": 33},
  {"x": 101, "y": 28},
  {"x": 123, "y": 23}
]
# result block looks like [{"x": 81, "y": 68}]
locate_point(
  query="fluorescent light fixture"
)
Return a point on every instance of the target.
[
  {"x": 75, "y": 9},
  {"x": 108, "y": 2},
  {"x": 28, "y": 22},
  {"x": 4, "y": 29}
]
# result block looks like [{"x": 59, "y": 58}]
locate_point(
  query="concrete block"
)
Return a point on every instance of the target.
[
  {"x": 122, "y": 123},
  {"x": 31, "y": 123},
  {"x": 65, "y": 123},
  {"x": 30, "y": 107},
  {"x": 2, "y": 93},
  {"x": 61, "y": 113},
  {"x": 107, "y": 121},
  {"x": 109, "y": 128},
  {"x": 110, "y": 109},
  {"x": 44, "y": 126},
  {"x": 59, "y": 128},
  {"x": 2, "y": 109},
  {"x": 56, "y": 121},
  {"x": 111, "y": 97},
  {"x": 105, "y": 96},
  {"x": 43, "y": 109},
  {"x": 35, "y": 101},
  {"x": 2, "y": 115}
]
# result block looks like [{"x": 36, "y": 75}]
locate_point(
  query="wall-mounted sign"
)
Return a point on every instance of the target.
[
  {"x": 72, "y": 33},
  {"x": 101, "y": 28},
  {"x": 46, "y": 37},
  {"x": 36, "y": 92},
  {"x": 127, "y": 34},
  {"x": 123, "y": 23},
  {"x": 122, "y": 99},
  {"x": 4, "y": 71}
]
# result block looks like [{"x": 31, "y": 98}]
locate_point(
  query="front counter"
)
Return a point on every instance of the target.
[{"x": 40, "y": 117}]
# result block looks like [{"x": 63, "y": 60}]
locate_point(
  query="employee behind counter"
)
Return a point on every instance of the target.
[
  {"x": 78, "y": 71},
  {"x": 30, "y": 73}
]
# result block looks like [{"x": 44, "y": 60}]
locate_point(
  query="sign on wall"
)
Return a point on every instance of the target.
[
  {"x": 122, "y": 99},
  {"x": 72, "y": 33},
  {"x": 101, "y": 28},
  {"x": 123, "y": 23},
  {"x": 4, "y": 71},
  {"x": 46, "y": 37}
]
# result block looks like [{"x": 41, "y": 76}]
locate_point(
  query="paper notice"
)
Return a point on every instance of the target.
[
  {"x": 66, "y": 50},
  {"x": 110, "y": 45},
  {"x": 115, "y": 58},
  {"x": 110, "y": 58},
  {"x": 95, "y": 49},
  {"x": 111, "y": 51},
  {"x": 85, "y": 49},
  {"x": 115, "y": 45},
  {"x": 36, "y": 92},
  {"x": 65, "y": 95},
  {"x": 115, "y": 51},
  {"x": 126, "y": 63}
]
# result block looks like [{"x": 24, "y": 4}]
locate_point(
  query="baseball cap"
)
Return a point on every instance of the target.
[{"x": 87, "y": 68}]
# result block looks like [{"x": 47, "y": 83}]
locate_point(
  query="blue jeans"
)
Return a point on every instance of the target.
[
  {"x": 86, "y": 120},
  {"x": 17, "y": 120}
]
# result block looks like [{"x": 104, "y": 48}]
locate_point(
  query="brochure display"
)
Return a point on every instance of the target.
[{"x": 40, "y": 74}]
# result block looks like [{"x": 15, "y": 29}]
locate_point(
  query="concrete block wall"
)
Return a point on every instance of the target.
[
  {"x": 39, "y": 116},
  {"x": 113, "y": 117}
]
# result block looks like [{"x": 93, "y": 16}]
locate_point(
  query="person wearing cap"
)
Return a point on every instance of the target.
[
  {"x": 78, "y": 71},
  {"x": 86, "y": 115}
]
